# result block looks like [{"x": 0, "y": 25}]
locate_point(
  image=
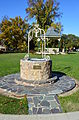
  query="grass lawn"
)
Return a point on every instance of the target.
[
  {"x": 13, "y": 105},
  {"x": 10, "y": 63},
  {"x": 70, "y": 103},
  {"x": 68, "y": 64}
]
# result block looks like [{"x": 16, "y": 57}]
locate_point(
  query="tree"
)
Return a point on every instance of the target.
[
  {"x": 13, "y": 33},
  {"x": 44, "y": 12},
  {"x": 69, "y": 41}
]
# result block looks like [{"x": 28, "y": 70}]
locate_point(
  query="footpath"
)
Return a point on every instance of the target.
[{"x": 62, "y": 116}]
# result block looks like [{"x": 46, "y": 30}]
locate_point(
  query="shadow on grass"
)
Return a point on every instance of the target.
[
  {"x": 71, "y": 53},
  {"x": 58, "y": 75},
  {"x": 67, "y": 68}
]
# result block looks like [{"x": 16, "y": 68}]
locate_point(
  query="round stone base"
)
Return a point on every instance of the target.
[{"x": 62, "y": 84}]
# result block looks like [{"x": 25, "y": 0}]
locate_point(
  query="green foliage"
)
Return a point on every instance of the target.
[
  {"x": 44, "y": 12},
  {"x": 53, "y": 43},
  {"x": 57, "y": 26},
  {"x": 69, "y": 41},
  {"x": 13, "y": 33},
  {"x": 13, "y": 106}
]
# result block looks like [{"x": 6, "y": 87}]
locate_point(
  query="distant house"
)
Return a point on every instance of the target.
[{"x": 2, "y": 48}]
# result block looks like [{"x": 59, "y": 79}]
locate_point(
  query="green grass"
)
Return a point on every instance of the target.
[
  {"x": 70, "y": 103},
  {"x": 68, "y": 64},
  {"x": 10, "y": 63},
  {"x": 13, "y": 105}
]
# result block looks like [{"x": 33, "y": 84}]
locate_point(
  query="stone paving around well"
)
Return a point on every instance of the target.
[{"x": 42, "y": 97}]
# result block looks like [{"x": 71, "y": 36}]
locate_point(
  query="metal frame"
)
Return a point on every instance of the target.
[{"x": 37, "y": 30}]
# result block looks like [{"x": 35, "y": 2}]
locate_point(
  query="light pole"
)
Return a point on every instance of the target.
[
  {"x": 59, "y": 43},
  {"x": 38, "y": 44}
]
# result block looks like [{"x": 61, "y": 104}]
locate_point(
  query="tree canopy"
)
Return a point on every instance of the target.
[
  {"x": 13, "y": 32},
  {"x": 69, "y": 41},
  {"x": 44, "y": 12}
]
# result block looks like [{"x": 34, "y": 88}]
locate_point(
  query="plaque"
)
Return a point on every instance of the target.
[{"x": 37, "y": 67}]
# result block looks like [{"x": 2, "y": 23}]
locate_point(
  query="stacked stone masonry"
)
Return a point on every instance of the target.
[{"x": 35, "y": 70}]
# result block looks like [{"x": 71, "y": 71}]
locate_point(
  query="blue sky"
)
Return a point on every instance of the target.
[
  {"x": 69, "y": 8},
  {"x": 70, "y": 17}
]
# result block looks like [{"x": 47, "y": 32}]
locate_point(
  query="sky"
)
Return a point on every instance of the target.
[{"x": 68, "y": 8}]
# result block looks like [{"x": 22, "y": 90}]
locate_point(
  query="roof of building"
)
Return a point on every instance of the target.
[{"x": 51, "y": 32}]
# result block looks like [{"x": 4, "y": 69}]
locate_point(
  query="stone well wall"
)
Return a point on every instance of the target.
[{"x": 35, "y": 69}]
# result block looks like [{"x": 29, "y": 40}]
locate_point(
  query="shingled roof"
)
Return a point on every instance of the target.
[{"x": 51, "y": 32}]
